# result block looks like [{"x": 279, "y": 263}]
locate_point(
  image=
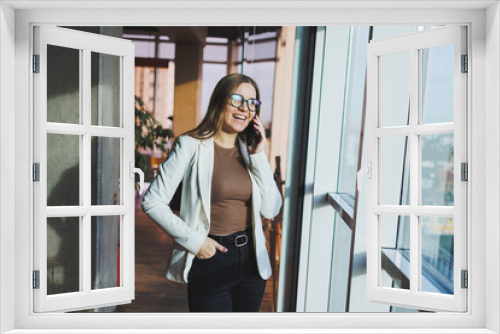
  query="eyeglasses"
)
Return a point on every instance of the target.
[{"x": 237, "y": 101}]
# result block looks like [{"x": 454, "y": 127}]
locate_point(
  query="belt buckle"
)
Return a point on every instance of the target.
[{"x": 245, "y": 241}]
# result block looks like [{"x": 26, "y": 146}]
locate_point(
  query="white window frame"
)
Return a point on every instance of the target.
[
  {"x": 483, "y": 50},
  {"x": 85, "y": 43},
  {"x": 413, "y": 43}
]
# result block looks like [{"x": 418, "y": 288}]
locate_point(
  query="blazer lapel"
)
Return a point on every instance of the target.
[
  {"x": 256, "y": 201},
  {"x": 205, "y": 170}
]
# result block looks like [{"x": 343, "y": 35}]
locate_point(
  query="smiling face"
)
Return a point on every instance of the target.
[{"x": 237, "y": 119}]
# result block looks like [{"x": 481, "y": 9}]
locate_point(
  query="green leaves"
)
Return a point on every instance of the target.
[{"x": 149, "y": 134}]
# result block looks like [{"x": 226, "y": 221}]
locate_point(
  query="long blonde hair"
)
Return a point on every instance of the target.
[{"x": 213, "y": 120}]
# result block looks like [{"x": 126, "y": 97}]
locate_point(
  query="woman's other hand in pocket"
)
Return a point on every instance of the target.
[{"x": 209, "y": 248}]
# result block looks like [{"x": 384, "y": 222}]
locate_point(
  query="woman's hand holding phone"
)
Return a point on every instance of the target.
[{"x": 259, "y": 144}]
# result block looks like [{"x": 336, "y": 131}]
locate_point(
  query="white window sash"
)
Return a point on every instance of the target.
[
  {"x": 85, "y": 298},
  {"x": 414, "y": 297}
]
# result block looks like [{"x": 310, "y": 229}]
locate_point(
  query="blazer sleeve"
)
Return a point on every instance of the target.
[
  {"x": 161, "y": 191},
  {"x": 271, "y": 197}
]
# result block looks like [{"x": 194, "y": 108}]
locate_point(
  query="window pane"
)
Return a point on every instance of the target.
[
  {"x": 215, "y": 53},
  {"x": 63, "y": 255},
  {"x": 437, "y": 84},
  {"x": 165, "y": 86},
  {"x": 63, "y": 170},
  {"x": 105, "y": 232},
  {"x": 144, "y": 49},
  {"x": 437, "y": 254},
  {"x": 393, "y": 153},
  {"x": 106, "y": 78},
  {"x": 262, "y": 35},
  {"x": 263, "y": 74},
  {"x": 63, "y": 85},
  {"x": 216, "y": 40},
  {"x": 340, "y": 266},
  {"x": 256, "y": 51},
  {"x": 395, "y": 257},
  {"x": 353, "y": 113},
  {"x": 394, "y": 89},
  {"x": 166, "y": 50},
  {"x": 437, "y": 169},
  {"x": 145, "y": 86},
  {"x": 212, "y": 73},
  {"x": 105, "y": 171}
]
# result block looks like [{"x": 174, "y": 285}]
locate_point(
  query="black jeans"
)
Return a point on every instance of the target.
[{"x": 227, "y": 282}]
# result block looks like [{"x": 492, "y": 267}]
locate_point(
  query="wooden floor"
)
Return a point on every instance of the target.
[{"x": 153, "y": 292}]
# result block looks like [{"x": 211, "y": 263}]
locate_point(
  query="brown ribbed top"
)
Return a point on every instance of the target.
[{"x": 231, "y": 196}]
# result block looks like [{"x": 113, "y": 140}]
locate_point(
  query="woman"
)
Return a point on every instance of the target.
[{"x": 219, "y": 246}]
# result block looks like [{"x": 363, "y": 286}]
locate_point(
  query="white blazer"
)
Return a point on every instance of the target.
[{"x": 192, "y": 161}]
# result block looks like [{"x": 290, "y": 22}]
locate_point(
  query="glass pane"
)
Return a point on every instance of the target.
[
  {"x": 340, "y": 266},
  {"x": 105, "y": 236},
  {"x": 437, "y": 169},
  {"x": 63, "y": 85},
  {"x": 263, "y": 74},
  {"x": 145, "y": 86},
  {"x": 106, "y": 78},
  {"x": 63, "y": 170},
  {"x": 257, "y": 51},
  {"x": 437, "y": 84},
  {"x": 144, "y": 49},
  {"x": 394, "y": 89},
  {"x": 105, "y": 171},
  {"x": 215, "y": 53},
  {"x": 216, "y": 40},
  {"x": 353, "y": 113},
  {"x": 166, "y": 50},
  {"x": 395, "y": 251},
  {"x": 212, "y": 73},
  {"x": 393, "y": 161},
  {"x": 63, "y": 255},
  {"x": 437, "y": 254}
]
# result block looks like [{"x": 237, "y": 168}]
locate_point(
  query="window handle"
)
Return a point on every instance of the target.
[
  {"x": 139, "y": 171},
  {"x": 367, "y": 170}
]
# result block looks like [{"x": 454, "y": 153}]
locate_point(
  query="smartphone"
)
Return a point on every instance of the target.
[{"x": 251, "y": 133}]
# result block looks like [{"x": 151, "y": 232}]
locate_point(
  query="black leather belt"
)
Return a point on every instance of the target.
[{"x": 239, "y": 239}]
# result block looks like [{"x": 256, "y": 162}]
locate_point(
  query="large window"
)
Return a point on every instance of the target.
[{"x": 483, "y": 43}]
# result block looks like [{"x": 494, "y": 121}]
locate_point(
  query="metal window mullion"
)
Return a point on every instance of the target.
[
  {"x": 460, "y": 156},
  {"x": 106, "y": 131},
  {"x": 129, "y": 129},
  {"x": 433, "y": 211},
  {"x": 127, "y": 183},
  {"x": 40, "y": 155},
  {"x": 85, "y": 179},
  {"x": 67, "y": 129},
  {"x": 414, "y": 172},
  {"x": 372, "y": 186},
  {"x": 378, "y": 253},
  {"x": 439, "y": 128},
  {"x": 85, "y": 255},
  {"x": 397, "y": 131},
  {"x": 400, "y": 210},
  {"x": 80, "y": 211}
]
